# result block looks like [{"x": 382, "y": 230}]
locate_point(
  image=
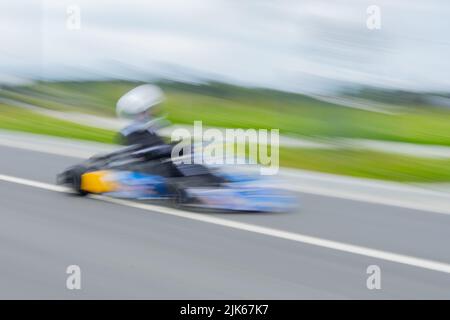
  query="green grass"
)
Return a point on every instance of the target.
[
  {"x": 229, "y": 106},
  {"x": 12, "y": 118},
  {"x": 368, "y": 164},
  {"x": 313, "y": 119},
  {"x": 357, "y": 163},
  {"x": 235, "y": 107}
]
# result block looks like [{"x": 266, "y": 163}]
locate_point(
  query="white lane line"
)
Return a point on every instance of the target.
[
  {"x": 32, "y": 183},
  {"x": 315, "y": 241}
]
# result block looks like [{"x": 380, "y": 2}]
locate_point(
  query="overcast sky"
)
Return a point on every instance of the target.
[{"x": 296, "y": 45}]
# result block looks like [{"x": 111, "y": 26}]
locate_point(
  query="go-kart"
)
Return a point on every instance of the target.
[{"x": 150, "y": 174}]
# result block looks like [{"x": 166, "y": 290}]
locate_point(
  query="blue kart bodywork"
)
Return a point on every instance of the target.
[{"x": 240, "y": 193}]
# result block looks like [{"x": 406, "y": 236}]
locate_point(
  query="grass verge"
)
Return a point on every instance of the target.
[
  {"x": 368, "y": 164},
  {"x": 12, "y": 118},
  {"x": 349, "y": 162},
  {"x": 237, "y": 107}
]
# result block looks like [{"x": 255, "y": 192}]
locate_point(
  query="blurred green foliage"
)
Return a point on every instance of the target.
[
  {"x": 368, "y": 164},
  {"x": 224, "y": 105},
  {"x": 218, "y": 104},
  {"x": 12, "y": 118},
  {"x": 357, "y": 163}
]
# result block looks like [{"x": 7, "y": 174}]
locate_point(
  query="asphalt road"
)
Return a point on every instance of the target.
[{"x": 127, "y": 252}]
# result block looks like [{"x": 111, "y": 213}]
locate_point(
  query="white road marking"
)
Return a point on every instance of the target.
[
  {"x": 315, "y": 241},
  {"x": 32, "y": 183}
]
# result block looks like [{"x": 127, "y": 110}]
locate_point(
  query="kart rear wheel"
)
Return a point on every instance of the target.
[{"x": 179, "y": 195}]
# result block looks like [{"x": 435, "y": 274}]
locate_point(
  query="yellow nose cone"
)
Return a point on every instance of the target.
[{"x": 98, "y": 182}]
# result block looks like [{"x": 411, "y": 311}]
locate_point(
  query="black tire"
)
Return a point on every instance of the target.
[
  {"x": 75, "y": 178},
  {"x": 179, "y": 196}
]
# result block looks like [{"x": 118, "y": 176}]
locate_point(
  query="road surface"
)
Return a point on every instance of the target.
[{"x": 130, "y": 252}]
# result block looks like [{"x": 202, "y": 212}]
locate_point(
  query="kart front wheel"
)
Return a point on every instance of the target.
[{"x": 74, "y": 177}]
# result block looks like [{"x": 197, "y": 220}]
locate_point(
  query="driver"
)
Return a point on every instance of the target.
[{"x": 142, "y": 106}]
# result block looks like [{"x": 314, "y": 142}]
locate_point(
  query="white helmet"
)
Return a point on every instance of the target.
[{"x": 138, "y": 100}]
